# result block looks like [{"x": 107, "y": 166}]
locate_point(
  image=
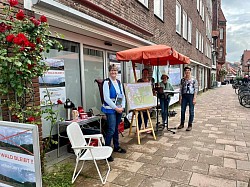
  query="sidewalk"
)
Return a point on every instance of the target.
[{"x": 215, "y": 153}]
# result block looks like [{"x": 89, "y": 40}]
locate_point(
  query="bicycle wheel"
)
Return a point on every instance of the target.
[{"x": 245, "y": 100}]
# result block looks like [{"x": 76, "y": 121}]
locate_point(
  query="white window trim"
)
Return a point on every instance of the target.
[
  {"x": 197, "y": 39},
  {"x": 190, "y": 30},
  {"x": 198, "y": 5},
  {"x": 144, "y": 2},
  {"x": 178, "y": 29},
  {"x": 161, "y": 9},
  {"x": 184, "y": 25}
]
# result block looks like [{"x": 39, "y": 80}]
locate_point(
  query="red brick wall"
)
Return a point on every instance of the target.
[{"x": 163, "y": 31}]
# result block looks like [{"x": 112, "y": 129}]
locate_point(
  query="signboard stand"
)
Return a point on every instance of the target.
[{"x": 143, "y": 129}]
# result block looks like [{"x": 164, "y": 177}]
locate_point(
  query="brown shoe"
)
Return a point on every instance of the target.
[{"x": 180, "y": 126}]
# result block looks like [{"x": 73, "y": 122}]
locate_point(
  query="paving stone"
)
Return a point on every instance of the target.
[
  {"x": 229, "y": 173},
  {"x": 125, "y": 164},
  {"x": 244, "y": 165},
  {"x": 229, "y": 163},
  {"x": 171, "y": 162},
  {"x": 242, "y": 184},
  {"x": 200, "y": 180},
  {"x": 113, "y": 174},
  {"x": 231, "y": 142},
  {"x": 229, "y": 154},
  {"x": 155, "y": 182},
  {"x": 167, "y": 152},
  {"x": 143, "y": 149},
  {"x": 201, "y": 150},
  {"x": 230, "y": 148},
  {"x": 214, "y": 146},
  {"x": 177, "y": 175},
  {"x": 152, "y": 170},
  {"x": 127, "y": 178},
  {"x": 195, "y": 167},
  {"x": 187, "y": 156},
  {"x": 211, "y": 160},
  {"x": 152, "y": 159},
  {"x": 134, "y": 156}
]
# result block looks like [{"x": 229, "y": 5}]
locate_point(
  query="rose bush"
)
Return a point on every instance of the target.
[{"x": 23, "y": 42}]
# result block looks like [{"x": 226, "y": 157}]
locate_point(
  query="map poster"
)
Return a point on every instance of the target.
[
  {"x": 19, "y": 155},
  {"x": 139, "y": 95},
  {"x": 53, "y": 83}
]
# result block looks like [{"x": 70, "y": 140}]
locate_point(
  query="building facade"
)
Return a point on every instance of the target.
[
  {"x": 219, "y": 35},
  {"x": 245, "y": 62},
  {"x": 95, "y": 30}
]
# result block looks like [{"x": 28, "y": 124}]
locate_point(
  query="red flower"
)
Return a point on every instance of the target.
[
  {"x": 3, "y": 27},
  {"x": 31, "y": 118},
  {"x": 30, "y": 66},
  {"x": 20, "y": 15},
  {"x": 59, "y": 102},
  {"x": 15, "y": 117},
  {"x": 38, "y": 40},
  {"x": 43, "y": 19},
  {"x": 36, "y": 22},
  {"x": 21, "y": 39},
  {"x": 10, "y": 37},
  {"x": 13, "y": 2}
]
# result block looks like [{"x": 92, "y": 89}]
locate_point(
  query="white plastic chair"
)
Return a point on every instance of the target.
[{"x": 84, "y": 151}]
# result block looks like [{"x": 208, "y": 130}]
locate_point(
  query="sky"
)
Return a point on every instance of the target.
[{"x": 237, "y": 13}]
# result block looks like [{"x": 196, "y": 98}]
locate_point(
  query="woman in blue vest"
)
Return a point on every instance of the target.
[{"x": 113, "y": 106}]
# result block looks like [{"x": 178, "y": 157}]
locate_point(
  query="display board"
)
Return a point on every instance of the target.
[
  {"x": 139, "y": 95},
  {"x": 19, "y": 155}
]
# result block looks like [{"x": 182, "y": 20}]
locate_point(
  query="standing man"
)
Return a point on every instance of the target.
[{"x": 188, "y": 94}]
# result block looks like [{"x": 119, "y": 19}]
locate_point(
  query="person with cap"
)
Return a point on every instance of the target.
[
  {"x": 188, "y": 94},
  {"x": 112, "y": 88},
  {"x": 165, "y": 99}
]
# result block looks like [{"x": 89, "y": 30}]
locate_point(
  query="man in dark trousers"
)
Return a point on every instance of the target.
[{"x": 188, "y": 94}]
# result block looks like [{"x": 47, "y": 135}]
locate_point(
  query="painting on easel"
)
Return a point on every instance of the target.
[{"x": 139, "y": 95}]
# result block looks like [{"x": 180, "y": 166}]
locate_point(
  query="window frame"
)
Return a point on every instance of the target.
[
  {"x": 144, "y": 2},
  {"x": 184, "y": 25},
  {"x": 161, "y": 11},
  {"x": 190, "y": 24},
  {"x": 178, "y": 27}
]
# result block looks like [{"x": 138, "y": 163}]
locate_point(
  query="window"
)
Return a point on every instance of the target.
[
  {"x": 184, "y": 24},
  {"x": 220, "y": 52},
  {"x": 93, "y": 69},
  {"x": 178, "y": 17},
  {"x": 202, "y": 44},
  {"x": 158, "y": 8},
  {"x": 198, "y": 5},
  {"x": 200, "y": 41},
  {"x": 221, "y": 33},
  {"x": 189, "y": 30},
  {"x": 203, "y": 12},
  {"x": 197, "y": 39},
  {"x": 144, "y": 2}
]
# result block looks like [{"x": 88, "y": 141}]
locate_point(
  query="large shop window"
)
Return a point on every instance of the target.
[
  {"x": 93, "y": 69},
  {"x": 62, "y": 80}
]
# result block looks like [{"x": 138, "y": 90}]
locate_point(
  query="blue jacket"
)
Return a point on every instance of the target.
[{"x": 110, "y": 94}]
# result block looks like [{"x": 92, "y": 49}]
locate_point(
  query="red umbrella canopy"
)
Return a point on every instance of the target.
[{"x": 153, "y": 55}]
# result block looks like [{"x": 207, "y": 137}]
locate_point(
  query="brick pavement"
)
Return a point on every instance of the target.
[{"x": 215, "y": 153}]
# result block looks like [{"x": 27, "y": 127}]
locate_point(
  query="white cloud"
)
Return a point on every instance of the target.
[{"x": 237, "y": 14}]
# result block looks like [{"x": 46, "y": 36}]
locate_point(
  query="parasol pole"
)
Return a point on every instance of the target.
[{"x": 133, "y": 64}]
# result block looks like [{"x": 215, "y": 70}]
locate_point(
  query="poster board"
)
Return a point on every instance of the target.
[
  {"x": 19, "y": 155},
  {"x": 139, "y": 95},
  {"x": 54, "y": 81}
]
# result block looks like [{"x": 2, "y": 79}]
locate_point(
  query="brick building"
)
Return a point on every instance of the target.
[
  {"x": 245, "y": 62},
  {"x": 95, "y": 30},
  {"x": 219, "y": 35}
]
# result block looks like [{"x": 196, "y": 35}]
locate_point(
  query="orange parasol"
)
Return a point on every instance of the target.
[{"x": 155, "y": 55}]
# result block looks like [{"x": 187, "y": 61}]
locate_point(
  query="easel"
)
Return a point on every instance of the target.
[{"x": 143, "y": 129}]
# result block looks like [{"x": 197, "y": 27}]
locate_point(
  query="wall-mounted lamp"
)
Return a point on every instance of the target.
[{"x": 108, "y": 43}]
